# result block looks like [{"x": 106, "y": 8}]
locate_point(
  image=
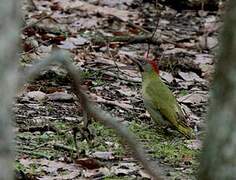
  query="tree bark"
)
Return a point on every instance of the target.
[
  {"x": 219, "y": 151},
  {"x": 9, "y": 28}
]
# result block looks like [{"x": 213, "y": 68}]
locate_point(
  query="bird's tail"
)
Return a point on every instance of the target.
[{"x": 185, "y": 130}]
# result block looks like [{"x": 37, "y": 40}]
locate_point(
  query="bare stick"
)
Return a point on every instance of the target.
[{"x": 95, "y": 112}]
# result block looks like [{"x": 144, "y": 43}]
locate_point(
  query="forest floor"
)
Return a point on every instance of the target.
[{"x": 102, "y": 35}]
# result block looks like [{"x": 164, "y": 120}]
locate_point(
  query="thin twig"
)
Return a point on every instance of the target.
[
  {"x": 153, "y": 34},
  {"x": 155, "y": 30}
]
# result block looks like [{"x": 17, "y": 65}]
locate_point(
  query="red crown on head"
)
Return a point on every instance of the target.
[{"x": 153, "y": 63}]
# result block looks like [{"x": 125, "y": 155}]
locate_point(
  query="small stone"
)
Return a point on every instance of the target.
[
  {"x": 36, "y": 95},
  {"x": 60, "y": 96}
]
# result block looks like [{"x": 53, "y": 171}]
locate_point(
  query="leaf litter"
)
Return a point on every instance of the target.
[{"x": 186, "y": 49}]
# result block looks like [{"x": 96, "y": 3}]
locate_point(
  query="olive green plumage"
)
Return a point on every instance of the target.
[{"x": 161, "y": 103}]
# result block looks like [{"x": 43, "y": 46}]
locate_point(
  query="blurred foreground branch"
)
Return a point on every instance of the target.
[
  {"x": 10, "y": 24},
  {"x": 95, "y": 112},
  {"x": 219, "y": 152}
]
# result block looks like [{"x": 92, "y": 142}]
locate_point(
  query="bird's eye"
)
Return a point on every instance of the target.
[{"x": 143, "y": 62}]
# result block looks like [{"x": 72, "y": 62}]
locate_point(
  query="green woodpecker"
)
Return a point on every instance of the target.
[{"x": 159, "y": 100}]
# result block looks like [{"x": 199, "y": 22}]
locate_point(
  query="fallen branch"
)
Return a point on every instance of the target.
[
  {"x": 37, "y": 154},
  {"x": 149, "y": 38},
  {"x": 112, "y": 74},
  {"x": 64, "y": 148},
  {"x": 41, "y": 129},
  {"x": 92, "y": 110},
  {"x": 126, "y": 39}
]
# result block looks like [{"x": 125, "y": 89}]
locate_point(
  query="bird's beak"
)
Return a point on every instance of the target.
[{"x": 137, "y": 61}]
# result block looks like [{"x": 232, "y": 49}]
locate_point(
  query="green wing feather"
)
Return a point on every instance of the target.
[{"x": 158, "y": 98}]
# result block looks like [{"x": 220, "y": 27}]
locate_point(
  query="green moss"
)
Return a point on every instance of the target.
[
  {"x": 95, "y": 75},
  {"x": 50, "y": 109},
  {"x": 34, "y": 168},
  {"x": 167, "y": 147},
  {"x": 43, "y": 137},
  {"x": 99, "y": 82},
  {"x": 86, "y": 74},
  {"x": 19, "y": 166},
  {"x": 106, "y": 139},
  {"x": 183, "y": 92},
  {"x": 170, "y": 149},
  {"x": 61, "y": 125}
]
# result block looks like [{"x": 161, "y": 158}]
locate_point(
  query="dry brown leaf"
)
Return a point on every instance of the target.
[
  {"x": 190, "y": 76},
  {"x": 84, "y": 6},
  {"x": 88, "y": 163},
  {"x": 60, "y": 96},
  {"x": 124, "y": 168},
  {"x": 195, "y": 98},
  {"x": 36, "y": 95},
  {"x": 166, "y": 76},
  {"x": 52, "y": 168},
  {"x": 103, "y": 155},
  {"x": 194, "y": 144}
]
